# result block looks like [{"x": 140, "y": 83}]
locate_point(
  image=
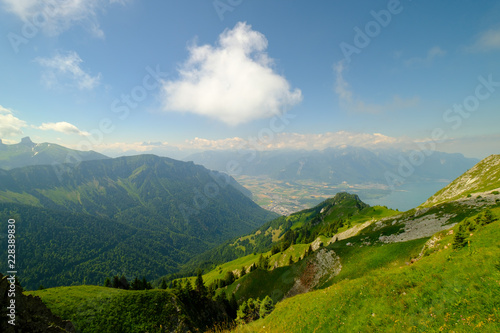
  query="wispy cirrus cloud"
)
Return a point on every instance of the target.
[
  {"x": 62, "y": 127},
  {"x": 349, "y": 100},
  {"x": 10, "y": 125},
  {"x": 57, "y": 16},
  {"x": 486, "y": 41},
  {"x": 233, "y": 81},
  {"x": 433, "y": 53},
  {"x": 64, "y": 70}
]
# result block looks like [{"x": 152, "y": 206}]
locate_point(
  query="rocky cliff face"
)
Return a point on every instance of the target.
[{"x": 31, "y": 315}]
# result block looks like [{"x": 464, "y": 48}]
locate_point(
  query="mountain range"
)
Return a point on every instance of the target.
[
  {"x": 340, "y": 266},
  {"x": 352, "y": 165},
  {"x": 27, "y": 153},
  {"x": 142, "y": 215}
]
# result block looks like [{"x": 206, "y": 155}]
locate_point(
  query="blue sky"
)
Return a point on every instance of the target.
[{"x": 168, "y": 77}]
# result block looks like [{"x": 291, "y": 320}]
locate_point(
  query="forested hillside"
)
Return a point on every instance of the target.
[{"x": 141, "y": 215}]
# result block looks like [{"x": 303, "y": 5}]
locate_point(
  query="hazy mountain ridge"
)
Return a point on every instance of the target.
[
  {"x": 28, "y": 153},
  {"x": 354, "y": 165}
]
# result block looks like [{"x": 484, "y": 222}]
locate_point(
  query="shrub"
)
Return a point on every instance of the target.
[{"x": 266, "y": 306}]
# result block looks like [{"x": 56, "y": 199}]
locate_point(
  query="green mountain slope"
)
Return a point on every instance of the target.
[
  {"x": 141, "y": 215},
  {"x": 449, "y": 290},
  {"x": 31, "y": 314},
  {"x": 28, "y": 153},
  {"x": 101, "y": 309},
  {"x": 329, "y": 217},
  {"x": 483, "y": 177}
]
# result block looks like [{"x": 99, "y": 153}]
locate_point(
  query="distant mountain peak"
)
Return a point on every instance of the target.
[
  {"x": 26, "y": 141},
  {"x": 27, "y": 153}
]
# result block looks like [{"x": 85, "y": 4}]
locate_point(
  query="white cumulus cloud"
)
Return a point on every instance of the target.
[
  {"x": 64, "y": 69},
  {"x": 232, "y": 81},
  {"x": 62, "y": 127},
  {"x": 9, "y": 124},
  {"x": 308, "y": 141}
]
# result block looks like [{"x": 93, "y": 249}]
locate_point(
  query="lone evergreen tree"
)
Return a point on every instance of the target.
[
  {"x": 460, "y": 238},
  {"x": 200, "y": 285},
  {"x": 116, "y": 282},
  {"x": 243, "y": 272},
  {"x": 107, "y": 282}
]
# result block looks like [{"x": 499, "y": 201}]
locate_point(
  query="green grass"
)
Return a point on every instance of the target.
[
  {"x": 359, "y": 261},
  {"x": 296, "y": 251},
  {"x": 261, "y": 283},
  {"x": 446, "y": 291},
  {"x": 77, "y": 303},
  {"x": 101, "y": 309}
]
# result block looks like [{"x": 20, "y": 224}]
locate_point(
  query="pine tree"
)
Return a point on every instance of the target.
[
  {"x": 200, "y": 285},
  {"x": 116, "y": 282},
  {"x": 243, "y": 272},
  {"x": 229, "y": 278},
  {"x": 135, "y": 284},
  {"x": 163, "y": 284},
  {"x": 123, "y": 284},
  {"x": 460, "y": 238},
  {"x": 309, "y": 250},
  {"x": 263, "y": 262},
  {"x": 233, "y": 305},
  {"x": 188, "y": 287},
  {"x": 107, "y": 282}
]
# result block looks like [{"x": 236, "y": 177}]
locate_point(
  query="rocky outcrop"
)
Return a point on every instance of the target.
[
  {"x": 31, "y": 314},
  {"x": 321, "y": 266}
]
